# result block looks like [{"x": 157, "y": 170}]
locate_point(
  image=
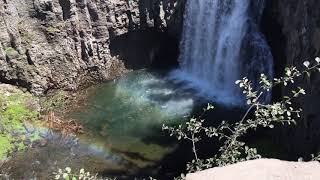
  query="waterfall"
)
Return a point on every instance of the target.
[{"x": 220, "y": 44}]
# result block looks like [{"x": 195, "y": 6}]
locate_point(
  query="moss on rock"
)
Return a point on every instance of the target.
[
  {"x": 6, "y": 145},
  {"x": 16, "y": 109},
  {"x": 11, "y": 52}
]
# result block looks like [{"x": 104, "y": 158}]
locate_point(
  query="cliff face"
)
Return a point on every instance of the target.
[
  {"x": 293, "y": 31},
  {"x": 46, "y": 44}
]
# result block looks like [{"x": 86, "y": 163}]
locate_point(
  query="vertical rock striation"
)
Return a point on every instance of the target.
[{"x": 47, "y": 44}]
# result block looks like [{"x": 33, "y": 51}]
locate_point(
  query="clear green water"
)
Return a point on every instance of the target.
[
  {"x": 133, "y": 105},
  {"x": 123, "y": 137},
  {"x": 124, "y": 117}
]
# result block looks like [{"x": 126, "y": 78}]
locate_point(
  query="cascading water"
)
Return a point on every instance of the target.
[{"x": 221, "y": 43}]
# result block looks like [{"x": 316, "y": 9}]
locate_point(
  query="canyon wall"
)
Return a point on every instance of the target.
[
  {"x": 292, "y": 28},
  {"x": 51, "y": 44}
]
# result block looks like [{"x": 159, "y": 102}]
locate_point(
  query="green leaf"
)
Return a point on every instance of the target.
[
  {"x": 68, "y": 169},
  {"x": 210, "y": 106},
  {"x": 306, "y": 64}
]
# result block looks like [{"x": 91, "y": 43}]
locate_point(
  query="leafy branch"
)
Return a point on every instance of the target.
[
  {"x": 67, "y": 174},
  {"x": 264, "y": 115}
]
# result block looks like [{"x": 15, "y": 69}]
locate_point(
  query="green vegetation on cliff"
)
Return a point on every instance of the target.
[{"x": 17, "y": 109}]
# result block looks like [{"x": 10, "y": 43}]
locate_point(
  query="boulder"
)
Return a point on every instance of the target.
[{"x": 261, "y": 169}]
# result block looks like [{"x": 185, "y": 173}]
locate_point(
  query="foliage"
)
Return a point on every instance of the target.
[
  {"x": 264, "y": 115},
  {"x": 67, "y": 174},
  {"x": 14, "y": 112},
  {"x": 52, "y": 29},
  {"x": 56, "y": 101},
  {"x": 11, "y": 51},
  {"x": 55, "y": 28},
  {"x": 315, "y": 158},
  {"x": 6, "y": 146}
]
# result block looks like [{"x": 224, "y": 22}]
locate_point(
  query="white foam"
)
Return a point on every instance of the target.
[{"x": 213, "y": 35}]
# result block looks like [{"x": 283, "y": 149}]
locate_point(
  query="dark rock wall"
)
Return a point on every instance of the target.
[
  {"x": 145, "y": 49},
  {"x": 47, "y": 44},
  {"x": 292, "y": 28}
]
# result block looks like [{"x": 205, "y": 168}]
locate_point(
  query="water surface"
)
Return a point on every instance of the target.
[
  {"x": 124, "y": 117},
  {"x": 122, "y": 120}
]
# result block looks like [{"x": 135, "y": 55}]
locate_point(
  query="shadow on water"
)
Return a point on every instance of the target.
[
  {"x": 128, "y": 114},
  {"x": 123, "y": 139}
]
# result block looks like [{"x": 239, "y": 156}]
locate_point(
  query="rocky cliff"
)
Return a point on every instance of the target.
[
  {"x": 292, "y": 28},
  {"x": 49, "y": 44}
]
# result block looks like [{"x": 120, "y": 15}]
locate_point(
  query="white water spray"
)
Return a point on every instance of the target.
[{"x": 215, "y": 46}]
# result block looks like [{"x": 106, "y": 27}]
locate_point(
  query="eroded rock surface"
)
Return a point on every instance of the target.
[
  {"x": 51, "y": 44},
  {"x": 47, "y": 44}
]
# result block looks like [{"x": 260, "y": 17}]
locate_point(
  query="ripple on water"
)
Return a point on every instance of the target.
[
  {"x": 123, "y": 120},
  {"x": 125, "y": 117}
]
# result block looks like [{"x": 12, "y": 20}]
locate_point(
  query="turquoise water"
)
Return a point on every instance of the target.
[
  {"x": 122, "y": 121},
  {"x": 124, "y": 117},
  {"x": 134, "y": 104}
]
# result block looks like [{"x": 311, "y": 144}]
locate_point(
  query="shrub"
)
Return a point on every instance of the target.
[
  {"x": 264, "y": 115},
  {"x": 14, "y": 112},
  {"x": 67, "y": 174}
]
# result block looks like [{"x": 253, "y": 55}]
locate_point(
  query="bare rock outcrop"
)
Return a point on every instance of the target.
[
  {"x": 48, "y": 44},
  {"x": 261, "y": 169}
]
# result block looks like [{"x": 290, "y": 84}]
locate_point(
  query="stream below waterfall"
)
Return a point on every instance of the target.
[
  {"x": 221, "y": 43},
  {"x": 123, "y": 136}
]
